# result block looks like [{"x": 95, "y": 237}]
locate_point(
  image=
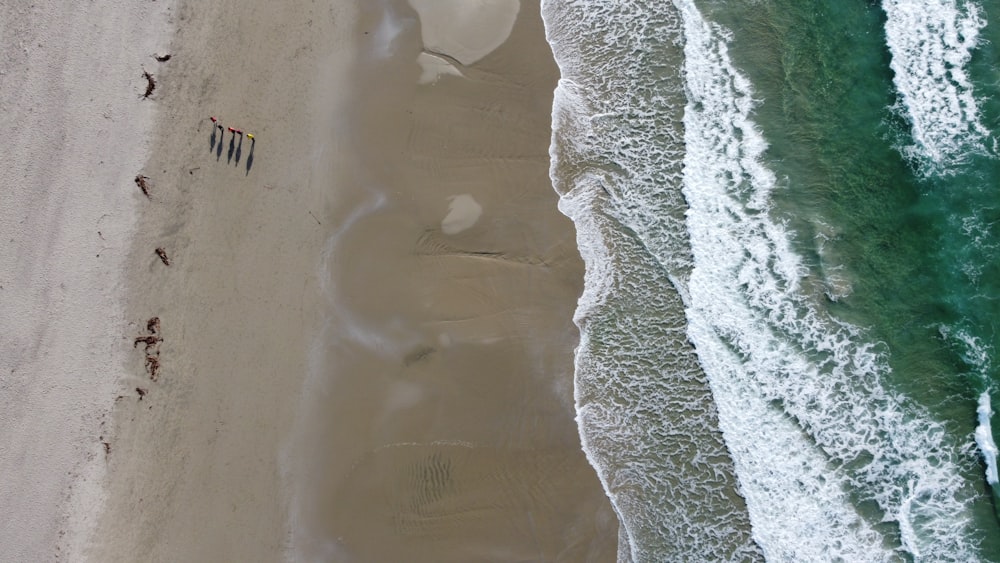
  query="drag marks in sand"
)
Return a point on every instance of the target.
[
  {"x": 419, "y": 494},
  {"x": 432, "y": 245}
]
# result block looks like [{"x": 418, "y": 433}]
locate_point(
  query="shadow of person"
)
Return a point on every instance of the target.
[
  {"x": 253, "y": 143},
  {"x": 214, "y": 139},
  {"x": 218, "y": 148},
  {"x": 239, "y": 150},
  {"x": 232, "y": 148}
]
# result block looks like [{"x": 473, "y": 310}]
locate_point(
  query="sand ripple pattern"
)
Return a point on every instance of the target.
[{"x": 457, "y": 502}]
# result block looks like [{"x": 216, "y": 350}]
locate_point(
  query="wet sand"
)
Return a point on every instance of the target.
[
  {"x": 443, "y": 383},
  {"x": 366, "y": 322}
]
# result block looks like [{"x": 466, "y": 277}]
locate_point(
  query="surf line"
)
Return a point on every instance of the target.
[
  {"x": 931, "y": 42},
  {"x": 763, "y": 343}
]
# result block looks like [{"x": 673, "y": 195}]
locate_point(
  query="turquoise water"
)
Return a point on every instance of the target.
[{"x": 812, "y": 191}]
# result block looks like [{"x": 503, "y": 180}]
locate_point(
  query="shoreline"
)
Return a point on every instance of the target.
[
  {"x": 451, "y": 291},
  {"x": 217, "y": 323},
  {"x": 643, "y": 400},
  {"x": 77, "y": 133}
]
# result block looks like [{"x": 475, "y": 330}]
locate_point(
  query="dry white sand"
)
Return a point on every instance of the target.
[
  {"x": 196, "y": 468},
  {"x": 75, "y": 133}
]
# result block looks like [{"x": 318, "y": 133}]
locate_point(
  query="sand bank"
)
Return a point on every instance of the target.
[{"x": 75, "y": 132}]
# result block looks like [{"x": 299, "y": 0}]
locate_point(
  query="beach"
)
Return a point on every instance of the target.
[
  {"x": 76, "y": 132},
  {"x": 347, "y": 338},
  {"x": 445, "y": 374}
]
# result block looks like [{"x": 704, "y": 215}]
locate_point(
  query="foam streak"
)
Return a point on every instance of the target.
[
  {"x": 931, "y": 42},
  {"x": 984, "y": 438},
  {"x": 802, "y": 403}
]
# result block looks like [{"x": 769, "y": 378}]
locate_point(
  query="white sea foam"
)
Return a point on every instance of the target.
[
  {"x": 977, "y": 354},
  {"x": 794, "y": 387},
  {"x": 973, "y": 351},
  {"x": 931, "y": 42},
  {"x": 644, "y": 410},
  {"x": 812, "y": 430},
  {"x": 984, "y": 438},
  {"x": 636, "y": 417},
  {"x": 793, "y": 489}
]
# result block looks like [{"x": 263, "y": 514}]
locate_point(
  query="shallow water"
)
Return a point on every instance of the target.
[{"x": 808, "y": 194}]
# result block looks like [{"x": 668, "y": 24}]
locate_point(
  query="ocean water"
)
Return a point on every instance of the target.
[{"x": 790, "y": 217}]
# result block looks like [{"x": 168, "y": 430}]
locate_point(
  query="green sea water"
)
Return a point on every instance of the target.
[
  {"x": 819, "y": 183},
  {"x": 908, "y": 252}
]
